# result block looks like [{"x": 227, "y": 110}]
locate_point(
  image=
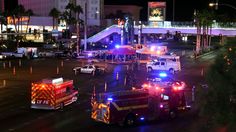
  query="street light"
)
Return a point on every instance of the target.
[{"x": 223, "y": 4}]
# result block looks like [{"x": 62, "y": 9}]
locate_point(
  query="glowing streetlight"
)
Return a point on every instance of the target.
[{"x": 221, "y": 4}]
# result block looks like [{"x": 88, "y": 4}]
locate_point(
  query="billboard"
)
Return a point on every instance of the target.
[{"x": 156, "y": 11}]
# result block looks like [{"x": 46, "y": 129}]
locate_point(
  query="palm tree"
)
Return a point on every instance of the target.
[
  {"x": 70, "y": 7},
  {"x": 204, "y": 20},
  {"x": 54, "y": 13},
  {"x": 78, "y": 10},
  {"x": 17, "y": 15},
  {"x": 29, "y": 13},
  {"x": 3, "y": 20}
]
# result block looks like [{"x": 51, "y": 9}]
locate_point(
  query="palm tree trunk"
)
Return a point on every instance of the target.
[
  {"x": 53, "y": 22},
  {"x": 18, "y": 24},
  {"x": 1, "y": 27},
  {"x": 207, "y": 37},
  {"x": 210, "y": 37},
  {"x": 198, "y": 41},
  {"x": 78, "y": 37},
  {"x": 27, "y": 26},
  {"x": 14, "y": 21}
]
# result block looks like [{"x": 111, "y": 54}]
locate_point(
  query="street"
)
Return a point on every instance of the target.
[{"x": 15, "y": 83}]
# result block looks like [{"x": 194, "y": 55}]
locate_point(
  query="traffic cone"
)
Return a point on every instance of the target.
[
  {"x": 125, "y": 81},
  {"x": 58, "y": 70},
  {"x": 94, "y": 91},
  {"x": 117, "y": 76},
  {"x": 14, "y": 71},
  {"x": 105, "y": 86},
  {"x": 4, "y": 65},
  {"x": 202, "y": 72},
  {"x": 4, "y": 83},
  {"x": 19, "y": 63},
  {"x": 9, "y": 63},
  {"x": 62, "y": 63},
  {"x": 31, "y": 70}
]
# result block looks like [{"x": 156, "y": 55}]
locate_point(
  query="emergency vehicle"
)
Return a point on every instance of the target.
[
  {"x": 52, "y": 94},
  {"x": 138, "y": 105},
  {"x": 165, "y": 63}
]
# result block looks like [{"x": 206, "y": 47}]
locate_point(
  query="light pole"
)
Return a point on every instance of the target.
[
  {"x": 85, "y": 27},
  {"x": 221, "y": 4}
]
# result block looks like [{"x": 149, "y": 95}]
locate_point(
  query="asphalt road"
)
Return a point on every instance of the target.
[{"x": 17, "y": 76}]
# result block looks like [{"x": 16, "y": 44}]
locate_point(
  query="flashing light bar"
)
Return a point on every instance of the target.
[
  {"x": 57, "y": 80},
  {"x": 109, "y": 99},
  {"x": 117, "y": 46},
  {"x": 162, "y": 74},
  {"x": 141, "y": 118}
]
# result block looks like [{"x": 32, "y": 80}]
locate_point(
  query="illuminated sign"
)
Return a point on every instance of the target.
[
  {"x": 156, "y": 11},
  {"x": 10, "y": 20}
]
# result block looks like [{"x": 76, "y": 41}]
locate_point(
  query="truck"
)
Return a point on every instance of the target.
[
  {"x": 164, "y": 63},
  {"x": 52, "y": 94},
  {"x": 138, "y": 105}
]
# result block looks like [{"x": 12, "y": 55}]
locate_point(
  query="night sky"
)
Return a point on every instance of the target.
[{"x": 184, "y": 9}]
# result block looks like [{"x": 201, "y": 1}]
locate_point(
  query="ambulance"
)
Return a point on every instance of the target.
[{"x": 52, "y": 94}]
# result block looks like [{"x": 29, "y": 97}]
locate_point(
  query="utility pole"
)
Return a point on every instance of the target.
[
  {"x": 78, "y": 36},
  {"x": 217, "y": 4},
  {"x": 85, "y": 27}
]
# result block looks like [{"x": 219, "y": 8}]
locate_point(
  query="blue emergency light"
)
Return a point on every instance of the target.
[
  {"x": 162, "y": 74},
  {"x": 142, "y": 118},
  {"x": 117, "y": 46},
  {"x": 109, "y": 99}
]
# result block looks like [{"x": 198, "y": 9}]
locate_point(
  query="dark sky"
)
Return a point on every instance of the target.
[{"x": 184, "y": 9}]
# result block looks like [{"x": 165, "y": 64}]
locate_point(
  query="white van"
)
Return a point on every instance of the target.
[{"x": 167, "y": 64}]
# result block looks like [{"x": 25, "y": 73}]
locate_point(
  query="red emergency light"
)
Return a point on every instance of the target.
[{"x": 178, "y": 86}]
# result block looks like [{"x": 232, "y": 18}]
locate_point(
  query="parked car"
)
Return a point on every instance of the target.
[{"x": 2, "y": 57}]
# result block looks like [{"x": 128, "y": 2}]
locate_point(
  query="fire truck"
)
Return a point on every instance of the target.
[
  {"x": 138, "y": 105},
  {"x": 52, "y": 94}
]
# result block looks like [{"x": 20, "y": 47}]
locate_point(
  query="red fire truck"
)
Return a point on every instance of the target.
[
  {"x": 52, "y": 94},
  {"x": 131, "y": 106}
]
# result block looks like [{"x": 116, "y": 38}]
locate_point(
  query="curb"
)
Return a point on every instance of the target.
[{"x": 192, "y": 56}]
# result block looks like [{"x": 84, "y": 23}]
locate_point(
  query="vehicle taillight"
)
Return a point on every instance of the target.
[
  {"x": 178, "y": 86},
  {"x": 161, "y": 106},
  {"x": 144, "y": 85}
]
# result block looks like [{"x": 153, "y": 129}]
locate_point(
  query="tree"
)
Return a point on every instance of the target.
[
  {"x": 3, "y": 21},
  {"x": 17, "y": 15},
  {"x": 203, "y": 20},
  {"x": 218, "y": 102},
  {"x": 71, "y": 20},
  {"x": 29, "y": 13},
  {"x": 54, "y": 13}
]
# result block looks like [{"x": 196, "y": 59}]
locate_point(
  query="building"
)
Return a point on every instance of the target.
[
  {"x": 43, "y": 7},
  {"x": 113, "y": 10},
  {"x": 2, "y": 5},
  {"x": 95, "y": 11}
]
